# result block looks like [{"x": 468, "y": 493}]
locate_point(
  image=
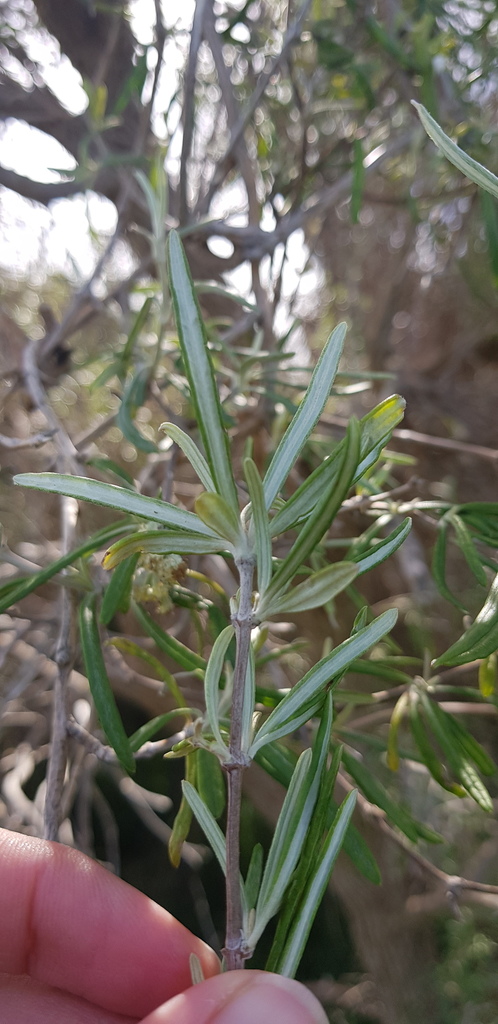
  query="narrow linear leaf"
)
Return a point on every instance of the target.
[
  {"x": 279, "y": 763},
  {"x": 182, "y": 654},
  {"x": 319, "y": 588},
  {"x": 147, "y": 731},
  {"x": 358, "y": 180},
  {"x": 208, "y": 823},
  {"x": 455, "y": 755},
  {"x": 399, "y": 712},
  {"x": 133, "y": 397},
  {"x": 488, "y": 675},
  {"x": 468, "y": 550},
  {"x": 306, "y": 417},
  {"x": 379, "y": 552},
  {"x": 377, "y": 794},
  {"x": 199, "y": 371},
  {"x": 100, "y": 686},
  {"x": 115, "y": 497},
  {"x": 376, "y": 429},
  {"x": 121, "y": 643},
  {"x": 313, "y": 896},
  {"x": 194, "y": 456},
  {"x": 465, "y": 740},
  {"x": 288, "y": 838},
  {"x": 160, "y": 542},
  {"x": 220, "y": 518},
  {"x": 439, "y": 565},
  {"x": 210, "y": 783},
  {"x": 481, "y": 639},
  {"x": 253, "y": 878},
  {"x": 183, "y": 819},
  {"x": 305, "y": 693},
  {"x": 261, "y": 526},
  {"x": 248, "y": 704},
  {"x": 212, "y": 676},
  {"x": 465, "y": 163},
  {"x": 432, "y": 763},
  {"x": 139, "y": 322},
  {"x": 322, "y": 516},
  {"x": 18, "y": 589},
  {"x": 117, "y": 593}
]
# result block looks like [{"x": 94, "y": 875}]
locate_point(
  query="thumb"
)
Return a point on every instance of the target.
[{"x": 241, "y": 997}]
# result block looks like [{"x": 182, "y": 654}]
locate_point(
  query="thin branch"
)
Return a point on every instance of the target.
[
  {"x": 429, "y": 440},
  {"x": 243, "y": 623},
  {"x": 291, "y": 36},
  {"x": 35, "y": 441},
  {"x": 188, "y": 107}
]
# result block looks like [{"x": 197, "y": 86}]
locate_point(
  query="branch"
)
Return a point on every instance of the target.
[
  {"x": 291, "y": 36},
  {"x": 39, "y": 191},
  {"x": 188, "y": 106}
]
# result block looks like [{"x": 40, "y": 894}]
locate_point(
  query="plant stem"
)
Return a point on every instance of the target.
[{"x": 243, "y": 623}]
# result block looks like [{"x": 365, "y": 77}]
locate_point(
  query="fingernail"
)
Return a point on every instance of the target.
[{"x": 271, "y": 998}]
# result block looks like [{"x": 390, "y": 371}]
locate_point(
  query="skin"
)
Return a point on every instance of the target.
[{"x": 79, "y": 945}]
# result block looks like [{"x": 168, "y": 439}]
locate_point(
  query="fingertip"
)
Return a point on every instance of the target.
[{"x": 242, "y": 997}]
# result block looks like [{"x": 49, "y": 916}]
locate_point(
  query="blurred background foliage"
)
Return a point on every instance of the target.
[{"x": 301, "y": 180}]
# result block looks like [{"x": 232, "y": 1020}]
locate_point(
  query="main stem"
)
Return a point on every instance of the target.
[{"x": 243, "y": 623}]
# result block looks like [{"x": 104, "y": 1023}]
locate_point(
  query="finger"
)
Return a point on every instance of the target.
[
  {"x": 242, "y": 997},
  {"x": 67, "y": 922},
  {"x": 23, "y": 999}
]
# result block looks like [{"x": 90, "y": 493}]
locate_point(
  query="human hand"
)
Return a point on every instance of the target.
[{"x": 80, "y": 946}]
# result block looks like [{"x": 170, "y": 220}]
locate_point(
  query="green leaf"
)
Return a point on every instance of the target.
[
  {"x": 133, "y": 397},
  {"x": 147, "y": 731},
  {"x": 117, "y": 593},
  {"x": 108, "y": 466},
  {"x": 289, "y": 836},
  {"x": 208, "y": 823},
  {"x": 220, "y": 518},
  {"x": 377, "y": 553},
  {"x": 184, "y": 657},
  {"x": 210, "y": 783},
  {"x": 306, "y": 417},
  {"x": 16, "y": 590},
  {"x": 439, "y": 565},
  {"x": 194, "y": 456},
  {"x": 212, "y": 676},
  {"x": 100, "y": 686},
  {"x": 432, "y": 763},
  {"x": 481, "y": 639},
  {"x": 465, "y": 740},
  {"x": 399, "y": 711},
  {"x": 320, "y": 519},
  {"x": 376, "y": 429},
  {"x": 358, "y": 180},
  {"x": 488, "y": 675},
  {"x": 294, "y": 948},
  {"x": 467, "y": 548},
  {"x": 160, "y": 542},
  {"x": 253, "y": 878},
  {"x": 377, "y": 794},
  {"x": 279, "y": 763},
  {"x": 119, "y": 498},
  {"x": 140, "y": 320},
  {"x": 121, "y": 643},
  {"x": 490, "y": 218},
  {"x": 318, "y": 588},
  {"x": 308, "y": 694},
  {"x": 248, "y": 704},
  {"x": 260, "y": 526},
  {"x": 183, "y": 819},
  {"x": 465, "y": 163},
  {"x": 454, "y": 753},
  {"x": 199, "y": 371}
]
